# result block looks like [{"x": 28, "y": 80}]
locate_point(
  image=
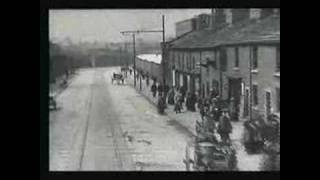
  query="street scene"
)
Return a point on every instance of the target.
[{"x": 164, "y": 90}]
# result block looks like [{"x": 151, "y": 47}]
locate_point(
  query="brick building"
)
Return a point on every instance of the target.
[{"x": 235, "y": 39}]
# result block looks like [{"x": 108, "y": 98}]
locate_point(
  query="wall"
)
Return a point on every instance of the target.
[
  {"x": 267, "y": 81},
  {"x": 153, "y": 69},
  {"x": 265, "y": 77},
  {"x": 208, "y": 74}
]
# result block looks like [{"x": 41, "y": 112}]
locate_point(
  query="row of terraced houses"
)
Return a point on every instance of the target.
[{"x": 233, "y": 51}]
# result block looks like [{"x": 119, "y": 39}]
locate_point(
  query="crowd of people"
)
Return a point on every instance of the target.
[{"x": 211, "y": 109}]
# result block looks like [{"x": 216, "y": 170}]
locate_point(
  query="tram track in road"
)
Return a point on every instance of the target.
[
  {"x": 87, "y": 125},
  {"x": 120, "y": 146},
  {"x": 103, "y": 146}
]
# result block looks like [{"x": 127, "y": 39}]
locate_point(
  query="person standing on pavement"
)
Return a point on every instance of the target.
[
  {"x": 225, "y": 127},
  {"x": 161, "y": 105},
  {"x": 193, "y": 102},
  {"x": 232, "y": 110},
  {"x": 147, "y": 81},
  {"x": 171, "y": 96},
  {"x": 165, "y": 92},
  {"x": 183, "y": 92},
  {"x": 201, "y": 107},
  {"x": 188, "y": 101},
  {"x": 160, "y": 90},
  {"x": 154, "y": 89},
  {"x": 177, "y": 106}
]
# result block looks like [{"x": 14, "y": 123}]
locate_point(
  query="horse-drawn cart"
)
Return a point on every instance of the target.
[
  {"x": 209, "y": 154},
  {"x": 117, "y": 77}
]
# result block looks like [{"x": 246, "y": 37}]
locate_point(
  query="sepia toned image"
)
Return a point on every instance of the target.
[{"x": 164, "y": 89}]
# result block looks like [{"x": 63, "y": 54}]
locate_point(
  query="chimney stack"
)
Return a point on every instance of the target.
[
  {"x": 228, "y": 15},
  {"x": 255, "y": 14},
  {"x": 213, "y": 15},
  {"x": 240, "y": 15}
]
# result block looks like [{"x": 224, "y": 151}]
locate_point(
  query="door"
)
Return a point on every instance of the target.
[
  {"x": 234, "y": 97},
  {"x": 185, "y": 82},
  {"x": 177, "y": 80},
  {"x": 268, "y": 104}
]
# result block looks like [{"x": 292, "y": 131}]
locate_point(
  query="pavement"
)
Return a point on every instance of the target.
[
  {"x": 187, "y": 119},
  {"x": 100, "y": 126}
]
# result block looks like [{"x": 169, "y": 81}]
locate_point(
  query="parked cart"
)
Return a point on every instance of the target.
[{"x": 117, "y": 77}]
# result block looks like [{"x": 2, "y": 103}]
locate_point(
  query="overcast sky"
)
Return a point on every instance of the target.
[{"x": 105, "y": 25}]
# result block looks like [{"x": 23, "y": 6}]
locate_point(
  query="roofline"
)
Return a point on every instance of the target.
[
  {"x": 252, "y": 42},
  {"x": 137, "y": 56},
  {"x": 244, "y": 42},
  {"x": 190, "y": 19},
  {"x": 179, "y": 37}
]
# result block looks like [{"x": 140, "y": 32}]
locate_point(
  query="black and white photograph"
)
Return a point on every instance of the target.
[{"x": 186, "y": 90}]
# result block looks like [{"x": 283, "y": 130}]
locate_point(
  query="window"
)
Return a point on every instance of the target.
[
  {"x": 255, "y": 57},
  {"x": 278, "y": 59},
  {"x": 236, "y": 63},
  {"x": 193, "y": 63},
  {"x": 278, "y": 99},
  {"x": 255, "y": 94}
]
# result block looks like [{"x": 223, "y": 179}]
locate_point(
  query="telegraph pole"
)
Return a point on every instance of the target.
[
  {"x": 163, "y": 51},
  {"x": 134, "y": 52},
  {"x": 134, "y": 48},
  {"x": 134, "y": 57},
  {"x": 250, "y": 84},
  {"x": 120, "y": 59}
]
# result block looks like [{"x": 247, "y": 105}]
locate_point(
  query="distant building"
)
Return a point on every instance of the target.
[{"x": 150, "y": 65}]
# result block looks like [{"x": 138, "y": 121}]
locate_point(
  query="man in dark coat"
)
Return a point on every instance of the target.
[
  {"x": 193, "y": 102},
  {"x": 177, "y": 106},
  {"x": 171, "y": 95},
  {"x": 154, "y": 89},
  {"x": 161, "y": 105},
  {"x": 201, "y": 107},
  {"x": 183, "y": 92},
  {"x": 160, "y": 89},
  {"x": 224, "y": 127},
  {"x": 188, "y": 101},
  {"x": 147, "y": 81},
  {"x": 165, "y": 91}
]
